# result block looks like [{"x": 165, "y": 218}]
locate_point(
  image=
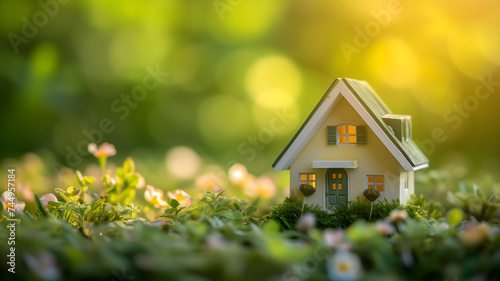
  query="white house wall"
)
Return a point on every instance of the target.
[{"x": 373, "y": 159}]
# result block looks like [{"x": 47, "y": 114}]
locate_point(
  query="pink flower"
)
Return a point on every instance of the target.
[
  {"x": 208, "y": 181},
  {"x": 398, "y": 215},
  {"x": 104, "y": 150},
  {"x": 141, "y": 183},
  {"x": 262, "y": 187},
  {"x": 184, "y": 199},
  {"x": 17, "y": 206},
  {"x": 475, "y": 234},
  {"x": 46, "y": 198},
  {"x": 306, "y": 222},
  {"x": 333, "y": 238},
  {"x": 385, "y": 228},
  {"x": 155, "y": 196}
]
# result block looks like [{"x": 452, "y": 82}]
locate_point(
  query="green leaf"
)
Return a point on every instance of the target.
[
  {"x": 79, "y": 178},
  {"x": 272, "y": 227},
  {"x": 236, "y": 205},
  {"x": 71, "y": 190},
  {"x": 120, "y": 173},
  {"x": 237, "y": 215},
  {"x": 127, "y": 195},
  {"x": 132, "y": 181},
  {"x": 174, "y": 203},
  {"x": 63, "y": 195},
  {"x": 89, "y": 180},
  {"x": 94, "y": 196},
  {"x": 222, "y": 209},
  {"x": 55, "y": 204},
  {"x": 249, "y": 210},
  {"x": 40, "y": 207},
  {"x": 454, "y": 217},
  {"x": 129, "y": 166}
]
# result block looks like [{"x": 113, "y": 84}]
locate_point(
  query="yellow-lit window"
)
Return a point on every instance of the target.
[
  {"x": 346, "y": 134},
  {"x": 308, "y": 179},
  {"x": 375, "y": 182}
]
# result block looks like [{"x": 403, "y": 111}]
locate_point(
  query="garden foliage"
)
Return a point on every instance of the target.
[{"x": 84, "y": 235}]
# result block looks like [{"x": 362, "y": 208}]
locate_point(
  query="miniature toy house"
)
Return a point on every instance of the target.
[{"x": 351, "y": 142}]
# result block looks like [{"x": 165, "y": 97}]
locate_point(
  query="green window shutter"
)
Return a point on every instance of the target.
[
  {"x": 361, "y": 134},
  {"x": 332, "y": 134}
]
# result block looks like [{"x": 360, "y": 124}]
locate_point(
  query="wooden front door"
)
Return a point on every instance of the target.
[{"x": 336, "y": 187}]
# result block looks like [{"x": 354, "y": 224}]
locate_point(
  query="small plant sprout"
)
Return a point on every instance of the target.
[
  {"x": 307, "y": 190},
  {"x": 372, "y": 195},
  {"x": 102, "y": 153},
  {"x": 184, "y": 199}
]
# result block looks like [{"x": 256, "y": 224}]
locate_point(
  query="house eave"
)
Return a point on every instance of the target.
[{"x": 326, "y": 164}]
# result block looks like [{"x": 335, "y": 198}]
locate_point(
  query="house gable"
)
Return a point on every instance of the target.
[
  {"x": 357, "y": 160},
  {"x": 371, "y": 109}
]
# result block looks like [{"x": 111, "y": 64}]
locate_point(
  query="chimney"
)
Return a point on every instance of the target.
[{"x": 400, "y": 125}]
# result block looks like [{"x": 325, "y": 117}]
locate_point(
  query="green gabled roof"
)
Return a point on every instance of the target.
[{"x": 377, "y": 109}]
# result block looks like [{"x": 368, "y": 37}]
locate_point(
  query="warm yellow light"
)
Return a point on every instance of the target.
[
  {"x": 274, "y": 81},
  {"x": 351, "y": 130}
]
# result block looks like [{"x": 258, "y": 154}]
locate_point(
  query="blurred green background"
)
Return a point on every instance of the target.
[{"x": 233, "y": 67}]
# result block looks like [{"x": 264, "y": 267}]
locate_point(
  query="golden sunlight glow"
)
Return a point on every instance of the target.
[
  {"x": 464, "y": 52},
  {"x": 274, "y": 81},
  {"x": 437, "y": 90},
  {"x": 487, "y": 40},
  {"x": 394, "y": 62}
]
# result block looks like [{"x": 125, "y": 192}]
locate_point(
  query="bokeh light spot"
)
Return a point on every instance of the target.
[
  {"x": 393, "y": 61},
  {"x": 45, "y": 59},
  {"x": 182, "y": 162},
  {"x": 464, "y": 52},
  {"x": 274, "y": 81},
  {"x": 487, "y": 39}
]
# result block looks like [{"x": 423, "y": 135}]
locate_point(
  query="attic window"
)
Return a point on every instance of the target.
[{"x": 346, "y": 134}]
